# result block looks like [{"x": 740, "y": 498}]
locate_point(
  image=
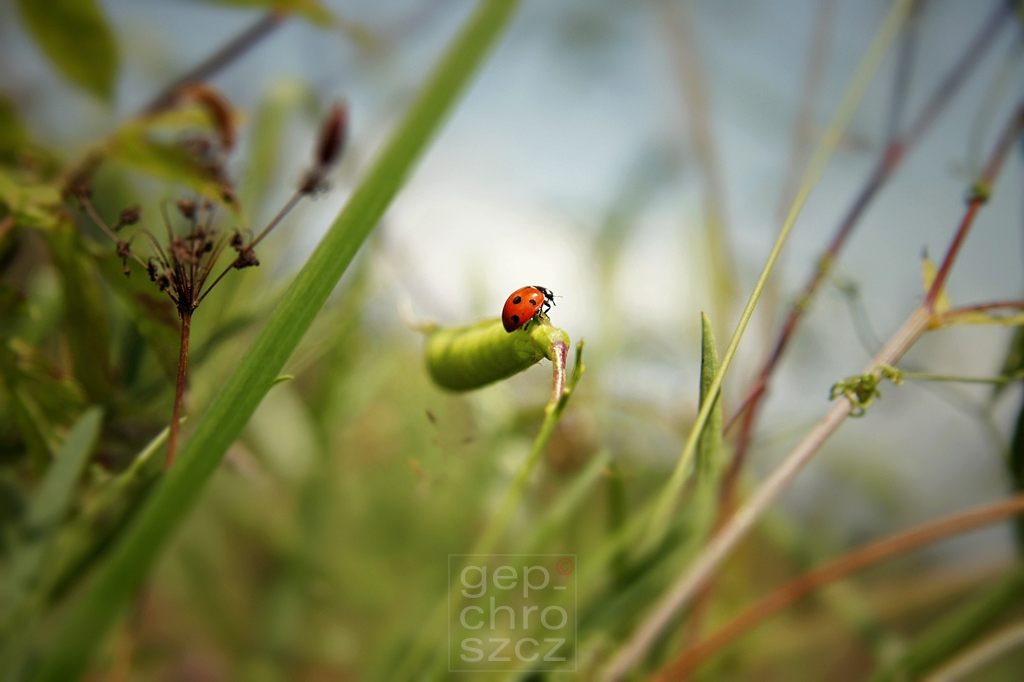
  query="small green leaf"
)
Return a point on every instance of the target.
[
  {"x": 42, "y": 404},
  {"x": 76, "y": 37},
  {"x": 31, "y": 204},
  {"x": 710, "y": 447},
  {"x": 85, "y": 310}
]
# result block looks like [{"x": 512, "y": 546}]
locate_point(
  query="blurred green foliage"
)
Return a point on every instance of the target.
[{"x": 319, "y": 548}]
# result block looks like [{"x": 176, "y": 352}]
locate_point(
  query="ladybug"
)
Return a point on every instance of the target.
[{"x": 524, "y": 304}]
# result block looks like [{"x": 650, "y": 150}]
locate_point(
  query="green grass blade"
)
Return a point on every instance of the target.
[
  {"x": 710, "y": 446},
  {"x": 841, "y": 118},
  {"x": 129, "y": 562},
  {"x": 46, "y": 512}
]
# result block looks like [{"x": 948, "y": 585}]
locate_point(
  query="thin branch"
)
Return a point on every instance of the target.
[
  {"x": 858, "y": 85},
  {"x": 887, "y": 164},
  {"x": 285, "y": 210},
  {"x": 979, "y": 195},
  {"x": 742, "y": 522},
  {"x": 985, "y": 307},
  {"x": 179, "y": 391},
  {"x": 836, "y": 569},
  {"x": 218, "y": 60}
]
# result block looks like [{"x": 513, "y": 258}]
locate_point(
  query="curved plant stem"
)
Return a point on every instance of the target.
[
  {"x": 887, "y": 164},
  {"x": 736, "y": 528},
  {"x": 833, "y": 133},
  {"x": 979, "y": 195},
  {"x": 848, "y": 563},
  {"x": 722, "y": 544}
]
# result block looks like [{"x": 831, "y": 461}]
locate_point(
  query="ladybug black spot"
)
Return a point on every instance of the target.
[
  {"x": 517, "y": 300},
  {"x": 515, "y": 319},
  {"x": 533, "y": 301}
]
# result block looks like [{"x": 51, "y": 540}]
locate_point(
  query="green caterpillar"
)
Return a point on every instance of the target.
[{"x": 465, "y": 358}]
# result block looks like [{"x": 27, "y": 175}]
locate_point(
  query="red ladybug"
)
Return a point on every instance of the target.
[{"x": 523, "y": 305}]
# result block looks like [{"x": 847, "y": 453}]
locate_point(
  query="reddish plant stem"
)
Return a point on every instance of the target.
[
  {"x": 179, "y": 390},
  {"x": 840, "y": 567},
  {"x": 559, "y": 353},
  {"x": 887, "y": 164},
  {"x": 692, "y": 582},
  {"x": 978, "y": 196},
  {"x": 985, "y": 307}
]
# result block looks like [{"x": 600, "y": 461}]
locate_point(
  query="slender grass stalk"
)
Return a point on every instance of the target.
[
  {"x": 887, "y": 164},
  {"x": 967, "y": 666},
  {"x": 855, "y": 560},
  {"x": 742, "y": 522},
  {"x": 94, "y": 614},
  {"x": 690, "y": 583},
  {"x": 179, "y": 388},
  {"x": 830, "y": 139}
]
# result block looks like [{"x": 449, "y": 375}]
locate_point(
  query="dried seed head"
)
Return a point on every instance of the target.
[
  {"x": 227, "y": 193},
  {"x": 332, "y": 136},
  {"x": 329, "y": 147},
  {"x": 216, "y": 107},
  {"x": 246, "y": 258},
  {"x": 129, "y": 216},
  {"x": 187, "y": 208}
]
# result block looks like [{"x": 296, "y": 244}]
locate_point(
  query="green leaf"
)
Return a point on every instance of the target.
[
  {"x": 42, "y": 403},
  {"x": 31, "y": 204},
  {"x": 104, "y": 515},
  {"x": 76, "y": 37},
  {"x": 1013, "y": 363},
  {"x": 710, "y": 447},
  {"x": 85, "y": 310},
  {"x": 20, "y": 594},
  {"x": 92, "y": 616}
]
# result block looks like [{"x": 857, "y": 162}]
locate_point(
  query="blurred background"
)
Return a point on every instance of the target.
[{"x": 586, "y": 157}]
